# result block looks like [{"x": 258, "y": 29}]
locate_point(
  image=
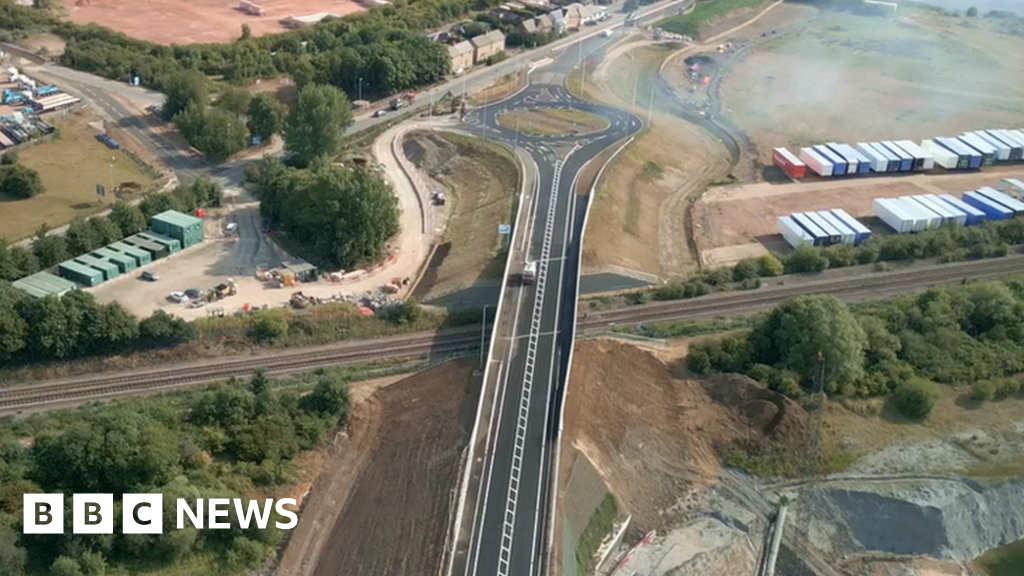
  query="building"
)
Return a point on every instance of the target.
[
  {"x": 487, "y": 45},
  {"x": 188, "y": 230},
  {"x": 43, "y": 284},
  {"x": 305, "y": 21},
  {"x": 140, "y": 256},
  {"x": 80, "y": 273},
  {"x": 172, "y": 244},
  {"x": 302, "y": 271},
  {"x": 155, "y": 249},
  {"x": 557, "y": 20},
  {"x": 462, "y": 56},
  {"x": 577, "y": 15}
]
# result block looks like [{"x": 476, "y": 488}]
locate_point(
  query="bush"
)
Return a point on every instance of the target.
[
  {"x": 637, "y": 298},
  {"x": 719, "y": 276},
  {"x": 983, "y": 390},
  {"x": 915, "y": 398},
  {"x": 269, "y": 328},
  {"x": 769, "y": 265},
  {"x": 806, "y": 259},
  {"x": 745, "y": 269},
  {"x": 670, "y": 292}
]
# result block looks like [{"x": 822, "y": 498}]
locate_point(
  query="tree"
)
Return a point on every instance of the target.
[
  {"x": 745, "y": 269},
  {"x": 315, "y": 124},
  {"x": 806, "y": 259},
  {"x": 266, "y": 115},
  {"x": 246, "y": 32},
  {"x": 20, "y": 181},
  {"x": 183, "y": 89},
  {"x": 302, "y": 71},
  {"x": 215, "y": 132},
  {"x": 14, "y": 331},
  {"x": 206, "y": 191},
  {"x": 64, "y": 566},
  {"x": 235, "y": 100},
  {"x": 16, "y": 262},
  {"x": 769, "y": 265},
  {"x": 128, "y": 218},
  {"x": 269, "y": 328},
  {"x": 793, "y": 334},
  {"x": 12, "y": 558},
  {"x": 915, "y": 398},
  {"x": 49, "y": 249},
  {"x": 105, "y": 230},
  {"x": 165, "y": 329},
  {"x": 972, "y": 12},
  {"x": 330, "y": 397},
  {"x": 81, "y": 237}
]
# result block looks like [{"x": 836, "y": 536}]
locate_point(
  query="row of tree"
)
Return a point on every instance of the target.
[
  {"x": 952, "y": 335},
  {"x": 17, "y": 180},
  {"x": 85, "y": 235},
  {"x": 218, "y": 442}
]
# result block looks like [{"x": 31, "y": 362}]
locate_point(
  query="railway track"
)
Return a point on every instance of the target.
[{"x": 66, "y": 392}]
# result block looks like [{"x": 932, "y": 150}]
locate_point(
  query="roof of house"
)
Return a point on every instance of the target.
[
  {"x": 491, "y": 37},
  {"x": 529, "y": 25},
  {"x": 460, "y": 49},
  {"x": 555, "y": 17}
]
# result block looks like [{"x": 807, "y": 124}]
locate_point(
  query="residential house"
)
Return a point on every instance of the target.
[
  {"x": 462, "y": 56},
  {"x": 557, "y": 19},
  {"x": 528, "y": 26},
  {"x": 487, "y": 45},
  {"x": 541, "y": 23},
  {"x": 578, "y": 15}
]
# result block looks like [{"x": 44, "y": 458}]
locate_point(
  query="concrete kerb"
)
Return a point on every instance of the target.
[
  {"x": 474, "y": 435},
  {"x": 565, "y": 391}
]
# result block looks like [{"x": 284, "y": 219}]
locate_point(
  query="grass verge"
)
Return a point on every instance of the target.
[
  {"x": 552, "y": 121},
  {"x": 599, "y": 526},
  {"x": 706, "y": 12}
]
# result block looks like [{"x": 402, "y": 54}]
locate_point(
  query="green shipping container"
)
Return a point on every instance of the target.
[
  {"x": 124, "y": 262},
  {"x": 141, "y": 256},
  {"x": 188, "y": 230},
  {"x": 172, "y": 244},
  {"x": 80, "y": 273},
  {"x": 155, "y": 249},
  {"x": 109, "y": 269},
  {"x": 42, "y": 284}
]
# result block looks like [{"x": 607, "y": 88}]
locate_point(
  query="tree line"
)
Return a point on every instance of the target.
[
  {"x": 87, "y": 234},
  {"x": 900, "y": 347},
  {"x": 220, "y": 442}
]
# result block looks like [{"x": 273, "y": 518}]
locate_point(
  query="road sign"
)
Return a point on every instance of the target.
[{"x": 504, "y": 229}]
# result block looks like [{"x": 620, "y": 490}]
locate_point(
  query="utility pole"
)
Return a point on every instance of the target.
[
  {"x": 483, "y": 335},
  {"x": 360, "y": 88},
  {"x": 636, "y": 85}
]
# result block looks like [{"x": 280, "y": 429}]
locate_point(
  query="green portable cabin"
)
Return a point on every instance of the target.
[
  {"x": 80, "y": 273},
  {"x": 184, "y": 228},
  {"x": 124, "y": 262},
  {"x": 109, "y": 269},
  {"x": 43, "y": 284},
  {"x": 155, "y": 249},
  {"x": 172, "y": 244},
  {"x": 140, "y": 256}
]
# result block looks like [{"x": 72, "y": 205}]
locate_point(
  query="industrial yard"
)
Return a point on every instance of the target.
[{"x": 202, "y": 21}]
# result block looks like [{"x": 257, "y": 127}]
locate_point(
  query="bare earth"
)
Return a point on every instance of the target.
[{"x": 183, "y": 22}]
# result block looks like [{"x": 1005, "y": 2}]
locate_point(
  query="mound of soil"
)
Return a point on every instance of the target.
[{"x": 658, "y": 439}]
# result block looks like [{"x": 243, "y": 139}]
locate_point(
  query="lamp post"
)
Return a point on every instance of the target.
[
  {"x": 483, "y": 335},
  {"x": 360, "y": 88}
]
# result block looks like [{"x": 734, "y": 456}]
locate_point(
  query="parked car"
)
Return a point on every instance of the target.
[
  {"x": 149, "y": 276},
  {"x": 178, "y": 297},
  {"x": 380, "y": 113},
  {"x": 193, "y": 293},
  {"x": 231, "y": 228}
]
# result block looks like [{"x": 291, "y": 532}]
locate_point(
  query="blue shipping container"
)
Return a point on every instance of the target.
[
  {"x": 993, "y": 210},
  {"x": 906, "y": 160},
  {"x": 969, "y": 157},
  {"x": 839, "y": 166},
  {"x": 863, "y": 232},
  {"x": 974, "y": 216},
  {"x": 819, "y": 235},
  {"x": 996, "y": 196}
]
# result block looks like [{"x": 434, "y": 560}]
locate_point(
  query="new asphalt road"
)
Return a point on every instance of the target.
[{"x": 509, "y": 525}]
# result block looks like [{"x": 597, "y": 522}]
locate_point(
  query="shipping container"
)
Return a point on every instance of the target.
[
  {"x": 1017, "y": 135},
  {"x": 155, "y": 249},
  {"x": 819, "y": 235},
  {"x": 124, "y": 262},
  {"x": 1002, "y": 150},
  {"x": 172, "y": 244},
  {"x": 188, "y": 230},
  {"x": 968, "y": 158},
  {"x": 926, "y": 218},
  {"x": 839, "y": 166},
  {"x": 906, "y": 160},
  {"x": 862, "y": 231},
  {"x": 835, "y": 236},
  {"x": 789, "y": 163},
  {"x": 43, "y": 284},
  {"x": 1016, "y": 146},
  {"x": 846, "y": 234},
  {"x": 922, "y": 160},
  {"x": 974, "y": 216},
  {"x": 141, "y": 257},
  {"x": 895, "y": 162},
  {"x": 893, "y": 214},
  {"x": 947, "y": 213},
  {"x": 856, "y": 162},
  {"x": 944, "y": 157},
  {"x": 815, "y": 162},
  {"x": 879, "y": 163},
  {"x": 80, "y": 273},
  {"x": 993, "y": 210},
  {"x": 996, "y": 196},
  {"x": 793, "y": 233},
  {"x": 987, "y": 151},
  {"x": 108, "y": 268},
  {"x": 1012, "y": 187}
]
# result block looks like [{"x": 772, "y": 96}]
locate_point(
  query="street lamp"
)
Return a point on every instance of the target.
[
  {"x": 111, "y": 166},
  {"x": 360, "y": 88}
]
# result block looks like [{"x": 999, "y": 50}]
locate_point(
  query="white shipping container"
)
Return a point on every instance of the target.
[
  {"x": 815, "y": 162},
  {"x": 878, "y": 162},
  {"x": 943, "y": 156},
  {"x": 947, "y": 212},
  {"x": 862, "y": 231},
  {"x": 893, "y": 214},
  {"x": 1012, "y": 187},
  {"x": 839, "y": 166},
  {"x": 995, "y": 195},
  {"x": 834, "y": 236},
  {"x": 917, "y": 152},
  {"x": 931, "y": 219},
  {"x": 846, "y": 235},
  {"x": 793, "y": 233},
  {"x": 974, "y": 216},
  {"x": 1002, "y": 150},
  {"x": 1010, "y": 137}
]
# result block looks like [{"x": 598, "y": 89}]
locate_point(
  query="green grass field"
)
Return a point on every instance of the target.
[
  {"x": 599, "y": 526},
  {"x": 1004, "y": 561},
  {"x": 705, "y": 12}
]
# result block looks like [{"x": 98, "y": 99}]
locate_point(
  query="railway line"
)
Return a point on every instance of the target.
[{"x": 440, "y": 345}]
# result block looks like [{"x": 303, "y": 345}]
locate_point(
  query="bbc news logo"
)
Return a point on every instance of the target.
[{"x": 144, "y": 513}]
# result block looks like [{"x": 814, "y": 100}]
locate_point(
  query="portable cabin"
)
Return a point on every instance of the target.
[
  {"x": 155, "y": 249},
  {"x": 1002, "y": 150},
  {"x": 109, "y": 269},
  {"x": 188, "y": 230},
  {"x": 974, "y": 216},
  {"x": 894, "y": 161},
  {"x": 929, "y": 218},
  {"x": 141, "y": 257},
  {"x": 1016, "y": 147},
  {"x": 943, "y": 156},
  {"x": 987, "y": 151},
  {"x": 124, "y": 262},
  {"x": 789, "y": 163},
  {"x": 858, "y": 164},
  {"x": 819, "y": 235},
  {"x": 846, "y": 234},
  {"x": 996, "y": 196},
  {"x": 862, "y": 231},
  {"x": 1011, "y": 187},
  {"x": 793, "y": 233},
  {"x": 43, "y": 284},
  {"x": 906, "y": 160},
  {"x": 80, "y": 273},
  {"x": 840, "y": 166},
  {"x": 818, "y": 164},
  {"x": 172, "y": 244},
  {"x": 968, "y": 157},
  {"x": 835, "y": 236},
  {"x": 879, "y": 163},
  {"x": 893, "y": 214},
  {"x": 993, "y": 210},
  {"x": 922, "y": 159}
]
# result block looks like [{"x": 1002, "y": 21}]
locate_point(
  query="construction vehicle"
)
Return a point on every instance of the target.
[
  {"x": 439, "y": 198},
  {"x": 222, "y": 290},
  {"x": 530, "y": 272},
  {"x": 300, "y": 300},
  {"x": 403, "y": 101}
]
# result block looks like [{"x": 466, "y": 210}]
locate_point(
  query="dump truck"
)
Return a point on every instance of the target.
[{"x": 402, "y": 101}]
